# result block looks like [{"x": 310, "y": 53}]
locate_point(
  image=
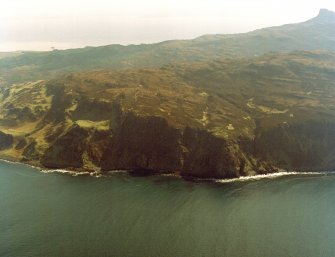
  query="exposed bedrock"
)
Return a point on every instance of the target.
[
  {"x": 143, "y": 143},
  {"x": 149, "y": 144},
  {"x": 207, "y": 156},
  {"x": 67, "y": 151},
  {"x": 309, "y": 146},
  {"x": 6, "y": 140}
]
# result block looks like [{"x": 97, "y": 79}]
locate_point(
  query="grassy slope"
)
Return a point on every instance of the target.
[{"x": 236, "y": 100}]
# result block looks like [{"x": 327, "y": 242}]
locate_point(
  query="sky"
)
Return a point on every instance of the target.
[{"x": 47, "y": 24}]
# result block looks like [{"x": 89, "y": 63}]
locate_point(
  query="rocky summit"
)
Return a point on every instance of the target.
[{"x": 218, "y": 106}]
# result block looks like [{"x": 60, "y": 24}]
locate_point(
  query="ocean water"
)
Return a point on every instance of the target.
[{"x": 61, "y": 215}]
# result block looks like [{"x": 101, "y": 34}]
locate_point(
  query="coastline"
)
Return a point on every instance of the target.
[
  {"x": 45, "y": 170},
  {"x": 97, "y": 174}
]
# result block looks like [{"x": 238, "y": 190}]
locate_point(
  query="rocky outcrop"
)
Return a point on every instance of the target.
[
  {"x": 21, "y": 144},
  {"x": 95, "y": 110},
  {"x": 6, "y": 140},
  {"x": 60, "y": 101},
  {"x": 207, "y": 156},
  {"x": 14, "y": 116},
  {"x": 30, "y": 152},
  {"x": 149, "y": 144},
  {"x": 143, "y": 143},
  {"x": 67, "y": 151},
  {"x": 309, "y": 146},
  {"x": 97, "y": 145}
]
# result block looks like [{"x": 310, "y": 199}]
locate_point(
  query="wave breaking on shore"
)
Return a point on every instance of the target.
[
  {"x": 97, "y": 174},
  {"x": 272, "y": 175},
  {"x": 73, "y": 173}
]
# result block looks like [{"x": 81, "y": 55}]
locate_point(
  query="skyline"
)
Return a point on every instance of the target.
[{"x": 45, "y": 25}]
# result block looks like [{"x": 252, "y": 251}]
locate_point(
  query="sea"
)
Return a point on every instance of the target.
[{"x": 50, "y": 213}]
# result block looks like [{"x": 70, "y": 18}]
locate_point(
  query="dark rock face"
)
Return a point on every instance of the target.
[
  {"x": 21, "y": 144},
  {"x": 14, "y": 116},
  {"x": 95, "y": 110},
  {"x": 67, "y": 150},
  {"x": 308, "y": 146},
  {"x": 6, "y": 140},
  {"x": 147, "y": 144},
  {"x": 58, "y": 105},
  {"x": 97, "y": 145},
  {"x": 23, "y": 114},
  {"x": 30, "y": 152},
  {"x": 143, "y": 143},
  {"x": 207, "y": 156}
]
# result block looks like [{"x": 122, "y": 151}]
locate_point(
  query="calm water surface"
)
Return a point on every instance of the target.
[{"x": 59, "y": 215}]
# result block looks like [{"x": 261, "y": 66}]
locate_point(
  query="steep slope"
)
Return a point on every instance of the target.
[
  {"x": 223, "y": 118},
  {"x": 315, "y": 34}
]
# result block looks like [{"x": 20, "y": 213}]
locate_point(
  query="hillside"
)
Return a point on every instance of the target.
[
  {"x": 315, "y": 34},
  {"x": 219, "y": 118}
]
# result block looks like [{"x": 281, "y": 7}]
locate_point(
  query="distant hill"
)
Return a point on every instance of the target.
[
  {"x": 9, "y": 54},
  {"x": 315, "y": 34}
]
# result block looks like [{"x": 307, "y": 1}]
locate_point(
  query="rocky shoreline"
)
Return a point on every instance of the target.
[{"x": 75, "y": 173}]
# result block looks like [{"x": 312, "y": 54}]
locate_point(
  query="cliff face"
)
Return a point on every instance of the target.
[
  {"x": 220, "y": 119},
  {"x": 150, "y": 144},
  {"x": 6, "y": 140},
  {"x": 208, "y": 156},
  {"x": 308, "y": 146},
  {"x": 146, "y": 143},
  {"x": 67, "y": 150}
]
